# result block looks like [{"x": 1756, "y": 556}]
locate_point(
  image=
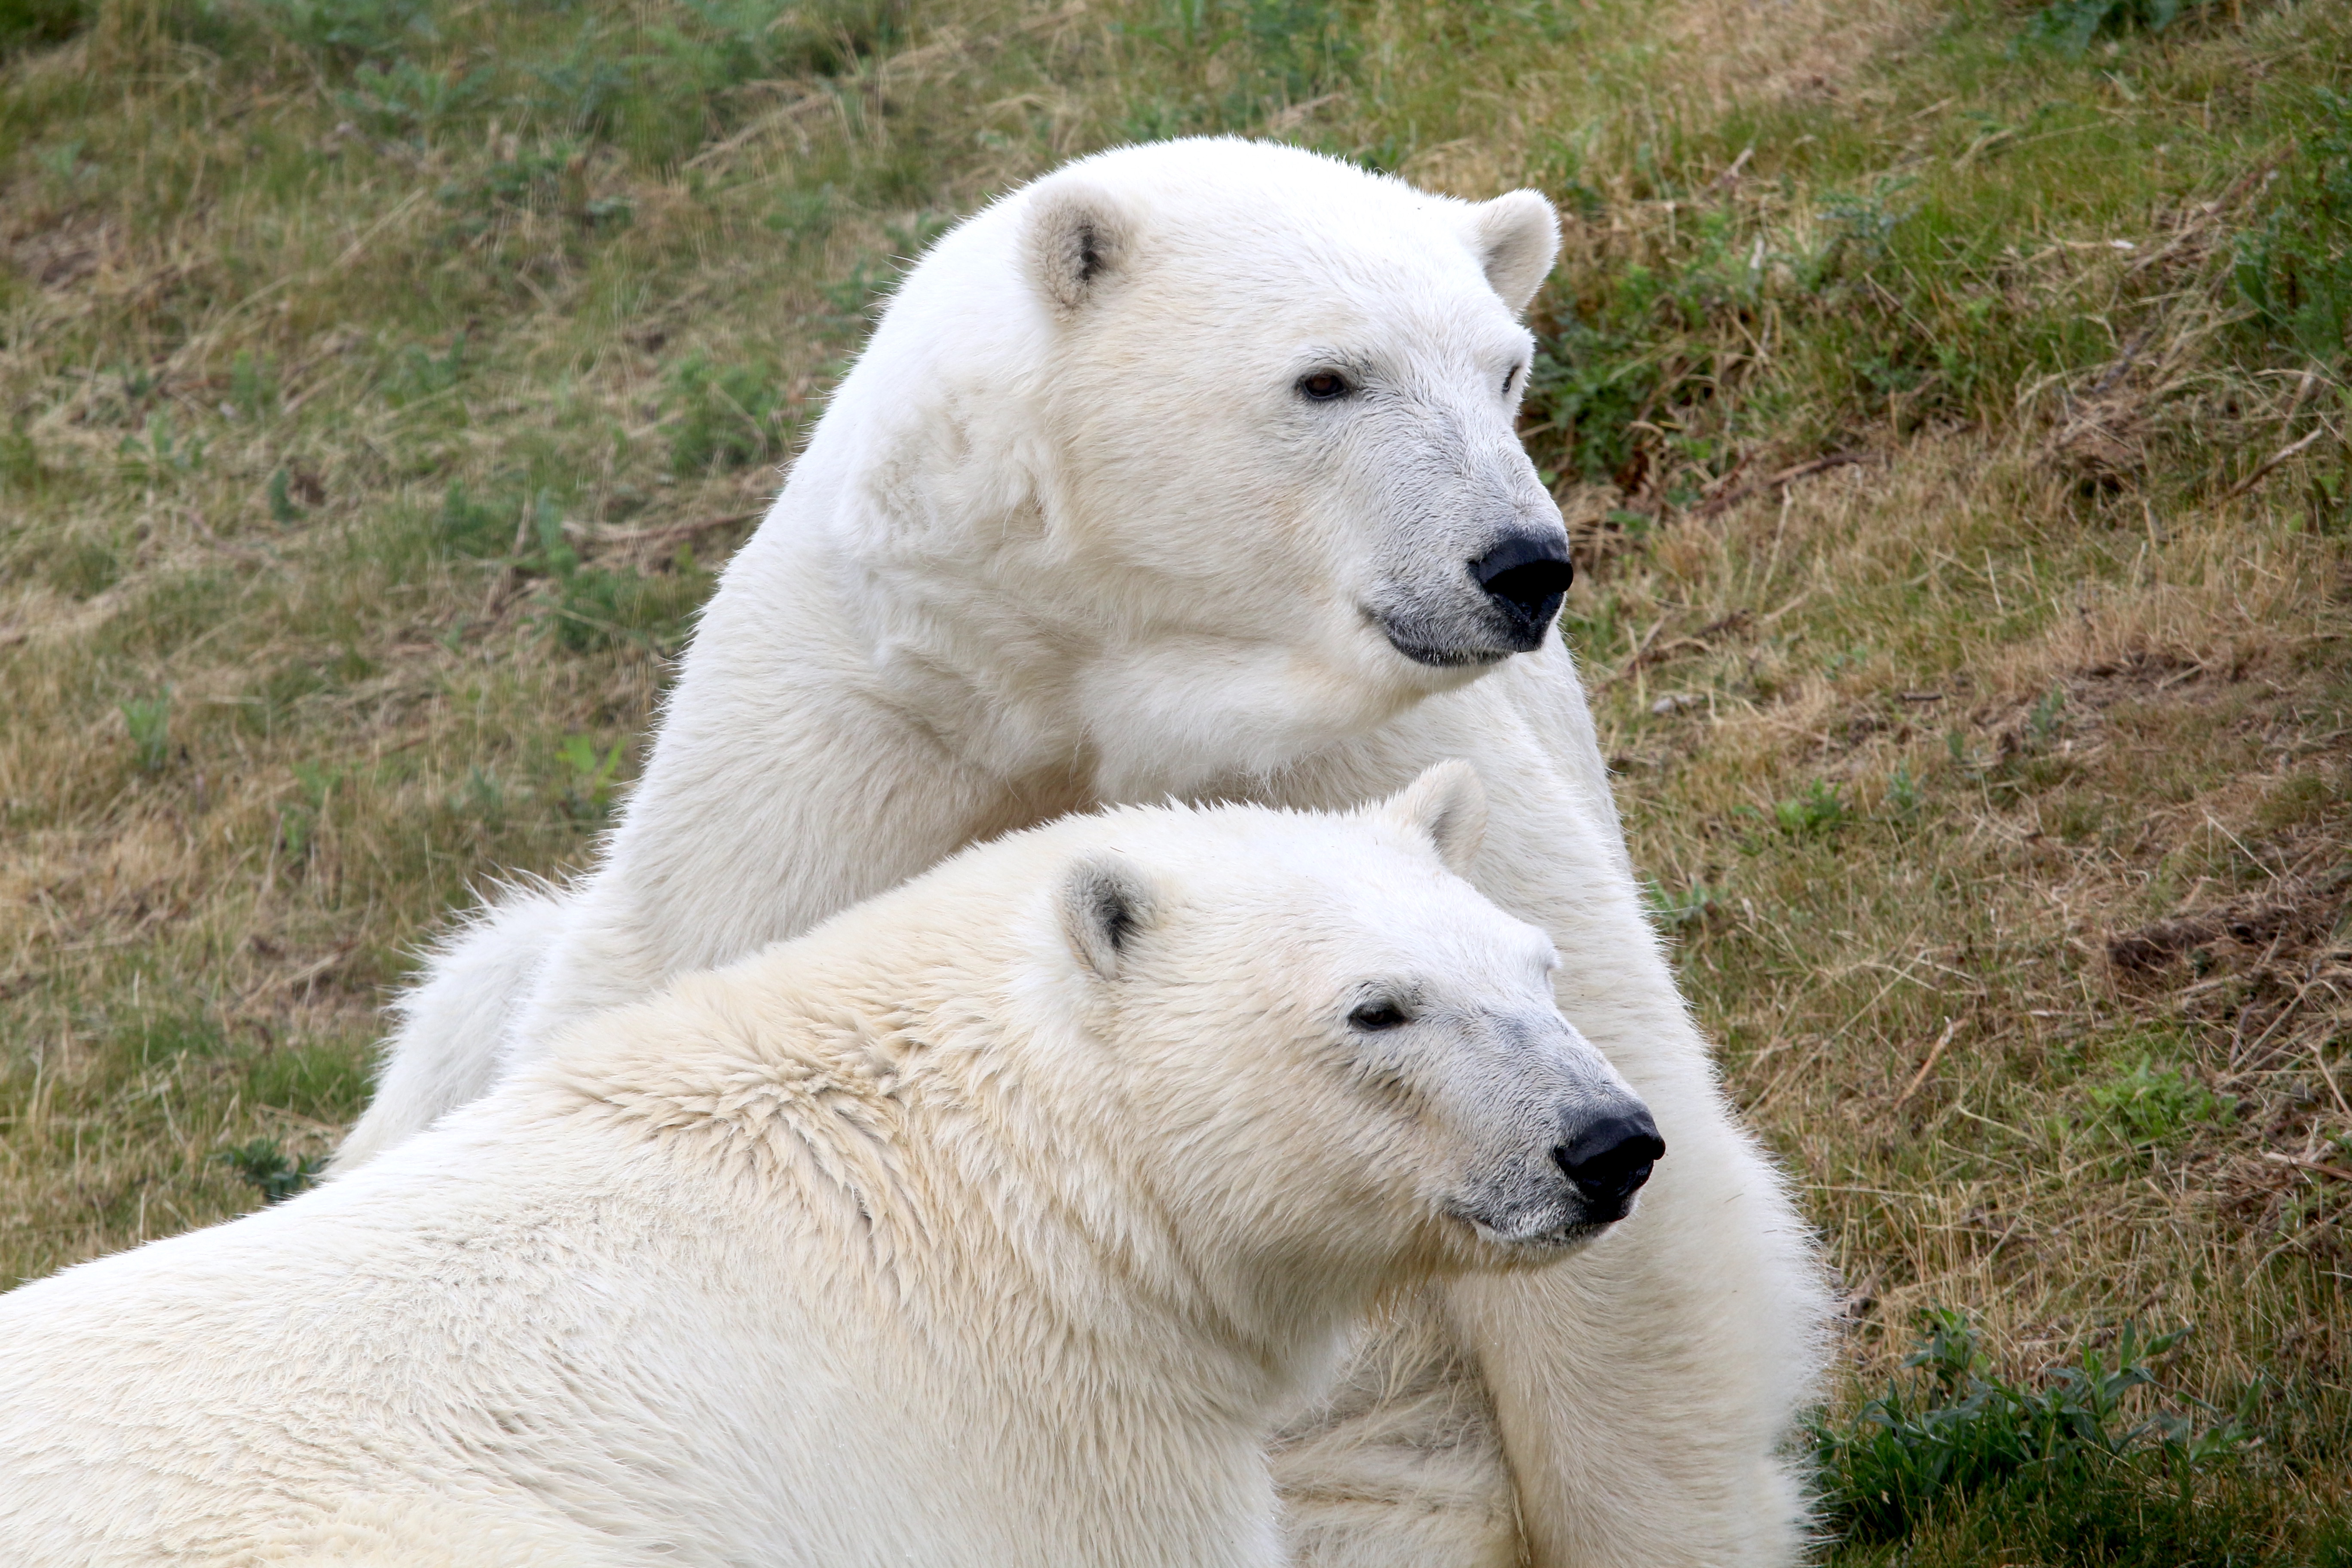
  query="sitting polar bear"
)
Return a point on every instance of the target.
[
  {"x": 993, "y": 1223},
  {"x": 1191, "y": 470}
]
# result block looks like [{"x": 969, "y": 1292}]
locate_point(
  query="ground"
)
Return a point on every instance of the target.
[{"x": 1947, "y": 400}]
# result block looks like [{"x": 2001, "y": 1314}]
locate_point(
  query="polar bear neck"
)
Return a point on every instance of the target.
[{"x": 842, "y": 677}]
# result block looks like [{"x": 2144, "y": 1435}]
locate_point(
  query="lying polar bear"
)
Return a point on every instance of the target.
[
  {"x": 1190, "y": 469},
  {"x": 991, "y": 1222}
]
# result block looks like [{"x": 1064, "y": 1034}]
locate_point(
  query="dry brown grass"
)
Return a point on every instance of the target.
[{"x": 2181, "y": 801}]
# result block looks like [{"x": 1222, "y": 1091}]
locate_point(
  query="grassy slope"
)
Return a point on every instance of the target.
[{"x": 379, "y": 383}]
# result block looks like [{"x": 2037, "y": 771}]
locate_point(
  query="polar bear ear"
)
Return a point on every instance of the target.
[
  {"x": 1104, "y": 903},
  {"x": 1515, "y": 237},
  {"x": 1448, "y": 802},
  {"x": 1075, "y": 236}
]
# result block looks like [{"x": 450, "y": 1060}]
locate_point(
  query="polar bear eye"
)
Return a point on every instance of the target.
[
  {"x": 1375, "y": 1016},
  {"x": 1323, "y": 385}
]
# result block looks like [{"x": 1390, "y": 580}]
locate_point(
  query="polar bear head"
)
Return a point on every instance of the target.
[
  {"x": 1319, "y": 1037},
  {"x": 1233, "y": 425}
]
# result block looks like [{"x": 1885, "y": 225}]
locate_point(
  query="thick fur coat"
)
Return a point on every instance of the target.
[
  {"x": 1191, "y": 470},
  {"x": 994, "y": 1224}
]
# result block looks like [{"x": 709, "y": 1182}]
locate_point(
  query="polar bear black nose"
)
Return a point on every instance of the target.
[
  {"x": 1526, "y": 575},
  {"x": 1609, "y": 1158}
]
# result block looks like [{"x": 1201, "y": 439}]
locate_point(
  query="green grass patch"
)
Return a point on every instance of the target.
[{"x": 326, "y": 1081}]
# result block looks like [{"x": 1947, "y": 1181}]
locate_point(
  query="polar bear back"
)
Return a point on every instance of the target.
[
  {"x": 537, "y": 1345},
  {"x": 412, "y": 1336}
]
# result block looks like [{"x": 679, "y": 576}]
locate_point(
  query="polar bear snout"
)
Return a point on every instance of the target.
[
  {"x": 1481, "y": 610},
  {"x": 1567, "y": 1176},
  {"x": 1525, "y": 577},
  {"x": 1563, "y": 1163},
  {"x": 1608, "y": 1158}
]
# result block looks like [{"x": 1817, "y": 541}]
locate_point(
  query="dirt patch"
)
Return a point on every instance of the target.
[
  {"x": 1734, "y": 51},
  {"x": 2279, "y": 924},
  {"x": 61, "y": 257},
  {"x": 2102, "y": 444},
  {"x": 2138, "y": 675}
]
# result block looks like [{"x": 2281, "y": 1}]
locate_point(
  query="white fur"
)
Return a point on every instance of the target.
[
  {"x": 967, "y": 1229},
  {"x": 1070, "y": 534}
]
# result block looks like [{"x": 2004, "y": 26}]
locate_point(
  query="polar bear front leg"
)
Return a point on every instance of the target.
[
  {"x": 1644, "y": 1389},
  {"x": 1624, "y": 1408},
  {"x": 1400, "y": 1463}
]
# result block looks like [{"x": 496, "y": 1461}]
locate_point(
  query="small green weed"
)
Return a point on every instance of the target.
[
  {"x": 160, "y": 452},
  {"x": 407, "y": 100},
  {"x": 590, "y": 607},
  {"x": 282, "y": 510},
  {"x": 1955, "y": 1430},
  {"x": 481, "y": 530},
  {"x": 1904, "y": 795},
  {"x": 252, "y": 390},
  {"x": 1816, "y": 814},
  {"x": 2294, "y": 267},
  {"x": 149, "y": 720},
  {"x": 2042, "y": 723},
  {"x": 2147, "y": 1105},
  {"x": 725, "y": 416},
  {"x": 268, "y": 1170},
  {"x": 588, "y": 786},
  {"x": 298, "y": 820},
  {"x": 2072, "y": 26},
  {"x": 418, "y": 372},
  {"x": 349, "y": 31},
  {"x": 136, "y": 383},
  {"x": 1593, "y": 379},
  {"x": 1683, "y": 911}
]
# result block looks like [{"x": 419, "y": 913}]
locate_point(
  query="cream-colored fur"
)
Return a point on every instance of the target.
[
  {"x": 995, "y": 1223},
  {"x": 1073, "y": 532}
]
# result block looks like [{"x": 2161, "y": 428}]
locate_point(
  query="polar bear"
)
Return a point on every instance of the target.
[
  {"x": 1191, "y": 470},
  {"x": 994, "y": 1222}
]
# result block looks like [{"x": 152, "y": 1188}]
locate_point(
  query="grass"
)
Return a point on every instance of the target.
[
  {"x": 1959, "y": 1464},
  {"x": 1947, "y": 400}
]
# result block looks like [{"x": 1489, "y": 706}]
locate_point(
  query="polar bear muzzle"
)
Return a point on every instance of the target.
[
  {"x": 1572, "y": 1178},
  {"x": 1500, "y": 602}
]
